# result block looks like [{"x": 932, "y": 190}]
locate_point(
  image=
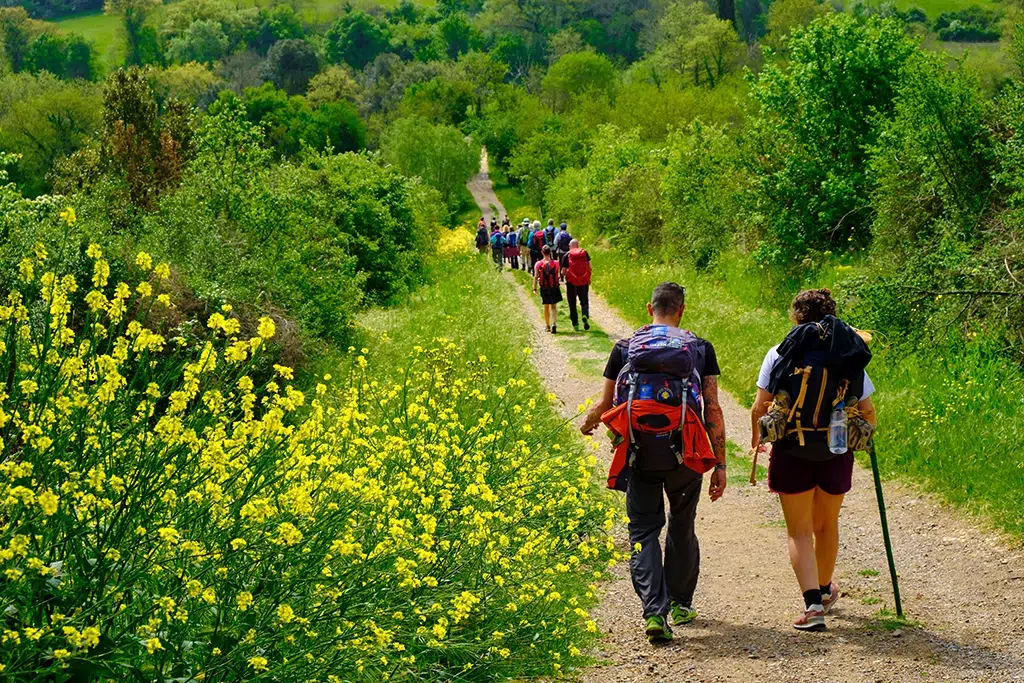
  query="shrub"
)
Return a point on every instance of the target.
[
  {"x": 971, "y": 25},
  {"x": 168, "y": 517}
]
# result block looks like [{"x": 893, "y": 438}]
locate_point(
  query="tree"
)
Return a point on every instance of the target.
[
  {"x": 47, "y": 120},
  {"x": 64, "y": 56},
  {"x": 15, "y": 32},
  {"x": 539, "y": 159},
  {"x": 203, "y": 41},
  {"x": 190, "y": 82},
  {"x": 290, "y": 64},
  {"x": 819, "y": 115},
  {"x": 440, "y": 155},
  {"x": 356, "y": 38},
  {"x": 135, "y": 146},
  {"x": 784, "y": 16},
  {"x": 511, "y": 49},
  {"x": 484, "y": 72},
  {"x": 575, "y": 74},
  {"x": 279, "y": 22},
  {"x": 334, "y": 84},
  {"x": 133, "y": 14},
  {"x": 335, "y": 126},
  {"x": 562, "y": 43},
  {"x": 456, "y": 34},
  {"x": 440, "y": 99},
  {"x": 694, "y": 42}
]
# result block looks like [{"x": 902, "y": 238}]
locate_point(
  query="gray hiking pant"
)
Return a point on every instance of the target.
[{"x": 657, "y": 580}]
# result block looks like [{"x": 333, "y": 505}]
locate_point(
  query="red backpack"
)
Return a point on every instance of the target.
[
  {"x": 548, "y": 274},
  {"x": 578, "y": 273},
  {"x": 538, "y": 241}
]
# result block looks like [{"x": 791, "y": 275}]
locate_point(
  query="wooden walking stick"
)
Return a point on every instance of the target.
[
  {"x": 753, "y": 467},
  {"x": 885, "y": 530}
]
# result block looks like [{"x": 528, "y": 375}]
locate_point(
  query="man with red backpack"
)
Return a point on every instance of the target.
[
  {"x": 575, "y": 265},
  {"x": 660, "y": 401},
  {"x": 546, "y": 277}
]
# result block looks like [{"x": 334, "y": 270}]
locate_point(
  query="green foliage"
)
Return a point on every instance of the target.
[
  {"x": 204, "y": 41},
  {"x": 356, "y": 38},
  {"x": 45, "y": 120},
  {"x": 141, "y": 40},
  {"x": 457, "y": 34},
  {"x": 15, "y": 34},
  {"x": 440, "y": 99},
  {"x": 702, "y": 188},
  {"x": 334, "y": 84},
  {"x": 290, "y": 65},
  {"x": 785, "y": 16},
  {"x": 694, "y": 42},
  {"x": 810, "y": 156},
  {"x": 579, "y": 74},
  {"x": 65, "y": 56},
  {"x": 278, "y": 22},
  {"x": 193, "y": 82},
  {"x": 441, "y": 156},
  {"x": 971, "y": 25},
  {"x": 289, "y": 123},
  {"x": 556, "y": 146}
]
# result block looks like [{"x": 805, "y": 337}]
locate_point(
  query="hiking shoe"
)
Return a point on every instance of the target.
[
  {"x": 658, "y": 631},
  {"x": 828, "y": 600},
  {"x": 813, "y": 619},
  {"x": 575, "y": 328},
  {"x": 681, "y": 614},
  {"x": 554, "y": 329},
  {"x": 586, "y": 323}
]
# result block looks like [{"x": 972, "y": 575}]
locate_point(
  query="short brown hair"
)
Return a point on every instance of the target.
[
  {"x": 546, "y": 250},
  {"x": 812, "y": 305}
]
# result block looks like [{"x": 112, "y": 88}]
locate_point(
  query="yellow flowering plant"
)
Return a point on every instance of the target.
[{"x": 167, "y": 517}]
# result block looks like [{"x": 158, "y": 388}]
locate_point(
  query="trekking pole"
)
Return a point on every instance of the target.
[{"x": 885, "y": 530}]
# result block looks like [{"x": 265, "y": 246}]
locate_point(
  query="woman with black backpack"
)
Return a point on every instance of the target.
[
  {"x": 814, "y": 404},
  {"x": 545, "y": 276}
]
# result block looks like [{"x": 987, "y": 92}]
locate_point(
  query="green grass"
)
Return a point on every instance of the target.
[
  {"x": 951, "y": 417},
  {"x": 868, "y": 573},
  {"x": 933, "y": 8},
  {"x": 871, "y": 600},
  {"x": 103, "y": 30},
  {"x": 886, "y": 620}
]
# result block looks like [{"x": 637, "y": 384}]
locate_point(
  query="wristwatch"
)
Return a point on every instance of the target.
[{"x": 720, "y": 466}]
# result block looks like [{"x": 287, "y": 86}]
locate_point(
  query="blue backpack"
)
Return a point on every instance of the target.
[
  {"x": 497, "y": 240},
  {"x": 511, "y": 240},
  {"x": 549, "y": 236}
]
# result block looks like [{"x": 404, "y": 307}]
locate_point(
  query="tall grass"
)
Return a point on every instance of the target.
[{"x": 951, "y": 417}]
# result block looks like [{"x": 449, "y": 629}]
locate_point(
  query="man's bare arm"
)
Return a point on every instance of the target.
[
  {"x": 598, "y": 409},
  {"x": 714, "y": 418}
]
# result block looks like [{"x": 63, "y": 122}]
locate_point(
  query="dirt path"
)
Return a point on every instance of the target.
[
  {"x": 962, "y": 585},
  {"x": 483, "y": 192}
]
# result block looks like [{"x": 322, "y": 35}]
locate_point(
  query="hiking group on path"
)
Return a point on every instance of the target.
[
  {"x": 660, "y": 404},
  {"x": 552, "y": 256}
]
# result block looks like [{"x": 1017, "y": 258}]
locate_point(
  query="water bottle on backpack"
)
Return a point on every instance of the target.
[{"x": 837, "y": 429}]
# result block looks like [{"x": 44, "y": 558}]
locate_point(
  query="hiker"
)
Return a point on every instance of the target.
[
  {"x": 821, "y": 363},
  {"x": 505, "y": 223},
  {"x": 546, "y": 277},
  {"x": 511, "y": 247},
  {"x": 524, "y": 247},
  {"x": 498, "y": 247},
  {"x": 575, "y": 267},
  {"x": 562, "y": 241},
  {"x": 550, "y": 233},
  {"x": 661, "y": 400},
  {"x": 536, "y": 246},
  {"x": 482, "y": 237}
]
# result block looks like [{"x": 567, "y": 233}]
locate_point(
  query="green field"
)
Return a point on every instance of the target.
[{"x": 103, "y": 30}]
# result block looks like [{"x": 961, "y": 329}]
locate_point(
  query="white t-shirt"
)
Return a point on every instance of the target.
[{"x": 772, "y": 357}]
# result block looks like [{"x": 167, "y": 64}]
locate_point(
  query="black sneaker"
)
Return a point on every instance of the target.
[
  {"x": 553, "y": 329},
  {"x": 586, "y": 323}
]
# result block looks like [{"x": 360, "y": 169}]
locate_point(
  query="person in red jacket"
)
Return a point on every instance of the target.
[{"x": 575, "y": 266}]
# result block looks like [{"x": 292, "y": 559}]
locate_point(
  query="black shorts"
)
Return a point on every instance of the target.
[
  {"x": 788, "y": 473},
  {"x": 550, "y": 295}
]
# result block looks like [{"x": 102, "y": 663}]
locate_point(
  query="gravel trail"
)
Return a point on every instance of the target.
[{"x": 962, "y": 585}]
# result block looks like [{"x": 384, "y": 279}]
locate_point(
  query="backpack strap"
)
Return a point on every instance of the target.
[
  {"x": 798, "y": 404},
  {"x": 629, "y": 408}
]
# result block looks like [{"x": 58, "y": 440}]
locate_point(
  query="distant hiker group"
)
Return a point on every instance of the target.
[
  {"x": 660, "y": 405},
  {"x": 551, "y": 255}
]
